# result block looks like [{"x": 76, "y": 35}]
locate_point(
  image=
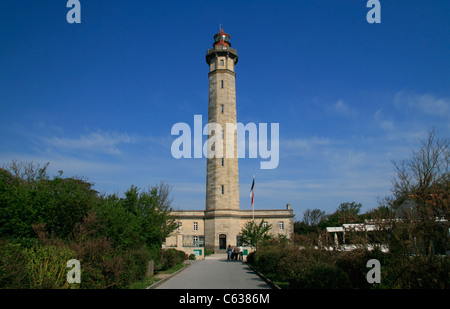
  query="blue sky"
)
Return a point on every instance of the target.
[{"x": 98, "y": 99}]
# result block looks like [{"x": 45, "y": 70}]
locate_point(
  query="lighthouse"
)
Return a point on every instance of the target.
[
  {"x": 222, "y": 172},
  {"x": 220, "y": 222}
]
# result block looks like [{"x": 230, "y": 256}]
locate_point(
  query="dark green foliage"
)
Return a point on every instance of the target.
[
  {"x": 153, "y": 209},
  {"x": 311, "y": 268},
  {"x": 301, "y": 228},
  {"x": 320, "y": 276},
  {"x": 251, "y": 258},
  {"x": 60, "y": 203},
  {"x": 135, "y": 265},
  {"x": 122, "y": 226},
  {"x": 301, "y": 269},
  {"x": 171, "y": 257},
  {"x": 354, "y": 263},
  {"x": 417, "y": 272},
  {"x": 268, "y": 262},
  {"x": 13, "y": 274},
  {"x": 43, "y": 221},
  {"x": 64, "y": 203},
  {"x": 139, "y": 218},
  {"x": 102, "y": 263},
  {"x": 413, "y": 224}
]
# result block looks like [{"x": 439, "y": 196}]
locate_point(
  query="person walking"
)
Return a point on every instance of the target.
[
  {"x": 236, "y": 253},
  {"x": 229, "y": 251},
  {"x": 241, "y": 253}
]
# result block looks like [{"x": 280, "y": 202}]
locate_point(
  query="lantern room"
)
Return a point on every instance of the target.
[{"x": 222, "y": 39}]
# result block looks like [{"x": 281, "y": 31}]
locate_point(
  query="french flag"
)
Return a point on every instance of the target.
[{"x": 252, "y": 193}]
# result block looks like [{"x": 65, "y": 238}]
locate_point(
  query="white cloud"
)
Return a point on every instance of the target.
[
  {"x": 94, "y": 142},
  {"x": 426, "y": 103},
  {"x": 303, "y": 146},
  {"x": 387, "y": 125},
  {"x": 343, "y": 109}
]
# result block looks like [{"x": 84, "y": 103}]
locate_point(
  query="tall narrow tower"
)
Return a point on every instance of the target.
[{"x": 222, "y": 179}]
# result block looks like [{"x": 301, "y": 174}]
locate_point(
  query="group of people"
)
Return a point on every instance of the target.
[{"x": 235, "y": 254}]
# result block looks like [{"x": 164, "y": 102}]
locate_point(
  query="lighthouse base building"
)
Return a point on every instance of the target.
[
  {"x": 220, "y": 224},
  {"x": 195, "y": 227}
]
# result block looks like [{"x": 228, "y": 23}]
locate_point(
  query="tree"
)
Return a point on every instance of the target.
[
  {"x": 313, "y": 217},
  {"x": 348, "y": 212},
  {"x": 252, "y": 234},
  {"x": 415, "y": 224},
  {"x": 421, "y": 202},
  {"x": 427, "y": 169},
  {"x": 27, "y": 171},
  {"x": 122, "y": 226},
  {"x": 308, "y": 231},
  {"x": 28, "y": 196},
  {"x": 153, "y": 208}
]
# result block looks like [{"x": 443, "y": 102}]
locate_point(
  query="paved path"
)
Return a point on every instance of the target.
[{"x": 216, "y": 272}]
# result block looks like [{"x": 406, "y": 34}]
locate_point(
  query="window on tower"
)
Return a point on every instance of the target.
[
  {"x": 221, "y": 62},
  {"x": 223, "y": 189},
  {"x": 221, "y": 84},
  {"x": 223, "y": 161},
  {"x": 221, "y": 108}
]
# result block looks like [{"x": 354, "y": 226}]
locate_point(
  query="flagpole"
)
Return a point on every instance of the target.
[
  {"x": 253, "y": 207},
  {"x": 253, "y": 199},
  {"x": 253, "y": 210}
]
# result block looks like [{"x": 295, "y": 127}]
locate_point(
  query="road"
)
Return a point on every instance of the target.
[{"x": 216, "y": 273}]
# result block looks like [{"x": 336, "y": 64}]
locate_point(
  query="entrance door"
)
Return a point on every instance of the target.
[{"x": 222, "y": 241}]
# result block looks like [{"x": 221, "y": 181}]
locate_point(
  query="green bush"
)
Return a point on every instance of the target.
[
  {"x": 192, "y": 257},
  {"x": 171, "y": 257},
  {"x": 354, "y": 264},
  {"x": 251, "y": 258},
  {"x": 269, "y": 255},
  {"x": 102, "y": 264},
  {"x": 28, "y": 196},
  {"x": 47, "y": 266},
  {"x": 296, "y": 261},
  {"x": 419, "y": 272},
  {"x": 135, "y": 268},
  {"x": 113, "y": 237},
  {"x": 320, "y": 276},
  {"x": 12, "y": 266},
  {"x": 122, "y": 227},
  {"x": 267, "y": 263},
  {"x": 311, "y": 268}
]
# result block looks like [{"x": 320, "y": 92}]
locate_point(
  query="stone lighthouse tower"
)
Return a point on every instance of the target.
[
  {"x": 222, "y": 179},
  {"x": 220, "y": 223}
]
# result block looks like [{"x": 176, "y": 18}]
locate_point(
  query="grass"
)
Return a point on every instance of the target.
[
  {"x": 282, "y": 284},
  {"x": 146, "y": 282}
]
